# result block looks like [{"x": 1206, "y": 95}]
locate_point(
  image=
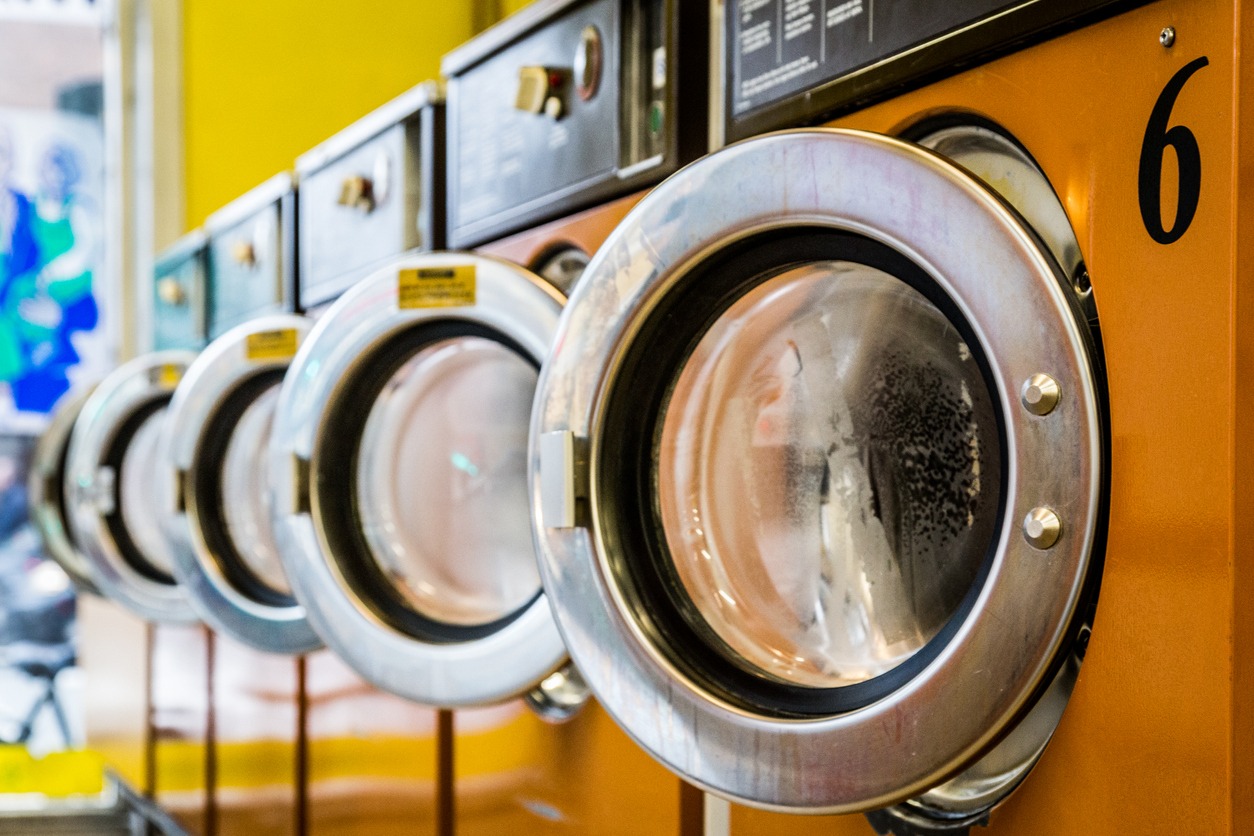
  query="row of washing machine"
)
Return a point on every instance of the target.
[{"x": 806, "y": 457}]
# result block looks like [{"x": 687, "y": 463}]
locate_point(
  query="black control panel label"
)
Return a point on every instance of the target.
[{"x": 781, "y": 47}]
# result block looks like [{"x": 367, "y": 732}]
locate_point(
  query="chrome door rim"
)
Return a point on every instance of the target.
[
  {"x": 48, "y": 492},
  {"x": 915, "y": 202},
  {"x": 225, "y": 365},
  {"x": 118, "y": 397},
  {"x": 500, "y": 666}
]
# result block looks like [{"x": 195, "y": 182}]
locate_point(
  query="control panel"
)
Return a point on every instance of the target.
[
  {"x": 795, "y": 62},
  {"x": 251, "y": 256},
  {"x": 374, "y": 190},
  {"x": 569, "y": 103},
  {"x": 178, "y": 300}
]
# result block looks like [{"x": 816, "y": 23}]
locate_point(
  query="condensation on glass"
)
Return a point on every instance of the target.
[
  {"x": 828, "y": 475},
  {"x": 144, "y": 497},
  {"x": 442, "y": 483},
  {"x": 247, "y": 501}
]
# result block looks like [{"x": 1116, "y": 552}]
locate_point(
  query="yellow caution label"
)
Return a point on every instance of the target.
[
  {"x": 436, "y": 287},
  {"x": 272, "y": 345},
  {"x": 168, "y": 375}
]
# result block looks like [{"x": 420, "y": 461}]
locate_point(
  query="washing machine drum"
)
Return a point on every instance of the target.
[
  {"x": 121, "y": 500},
  {"x": 220, "y": 423},
  {"x": 399, "y": 463},
  {"x": 818, "y": 474},
  {"x": 50, "y": 508}
]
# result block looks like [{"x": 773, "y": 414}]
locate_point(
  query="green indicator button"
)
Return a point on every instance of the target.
[{"x": 657, "y": 117}]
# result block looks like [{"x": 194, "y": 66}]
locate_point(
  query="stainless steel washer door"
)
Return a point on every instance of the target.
[
  {"x": 400, "y": 460},
  {"x": 220, "y": 428},
  {"x": 50, "y": 510},
  {"x": 817, "y": 471},
  {"x": 121, "y": 499}
]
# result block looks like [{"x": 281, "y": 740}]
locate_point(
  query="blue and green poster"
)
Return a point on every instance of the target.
[{"x": 51, "y": 306}]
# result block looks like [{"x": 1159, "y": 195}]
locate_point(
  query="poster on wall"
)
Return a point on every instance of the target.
[{"x": 52, "y": 308}]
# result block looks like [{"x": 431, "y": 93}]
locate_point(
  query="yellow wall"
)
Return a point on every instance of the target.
[
  {"x": 510, "y": 6},
  {"x": 266, "y": 81}
]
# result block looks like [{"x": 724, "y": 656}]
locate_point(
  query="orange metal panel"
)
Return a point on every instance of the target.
[
  {"x": 113, "y": 653},
  {"x": 255, "y": 736},
  {"x": 372, "y": 757},
  {"x": 179, "y": 715},
  {"x": 1242, "y": 532},
  {"x": 516, "y": 773},
  {"x": 586, "y": 230},
  {"x": 1149, "y": 740}
]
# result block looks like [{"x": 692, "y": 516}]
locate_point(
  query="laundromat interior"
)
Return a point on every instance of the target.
[{"x": 626, "y": 418}]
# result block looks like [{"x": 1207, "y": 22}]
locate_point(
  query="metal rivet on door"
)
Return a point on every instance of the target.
[
  {"x": 1040, "y": 394},
  {"x": 1041, "y": 528}
]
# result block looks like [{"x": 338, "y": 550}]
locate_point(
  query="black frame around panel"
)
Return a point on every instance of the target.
[{"x": 933, "y": 56}]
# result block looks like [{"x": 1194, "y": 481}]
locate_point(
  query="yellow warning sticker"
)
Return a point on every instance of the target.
[
  {"x": 436, "y": 287},
  {"x": 168, "y": 375},
  {"x": 272, "y": 345}
]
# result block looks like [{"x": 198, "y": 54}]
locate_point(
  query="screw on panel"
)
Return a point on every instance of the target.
[
  {"x": 1081, "y": 281},
  {"x": 1167, "y": 37}
]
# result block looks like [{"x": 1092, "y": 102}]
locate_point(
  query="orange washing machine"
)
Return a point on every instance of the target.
[
  {"x": 846, "y": 425},
  {"x": 120, "y": 520},
  {"x": 219, "y": 426},
  {"x": 217, "y": 430},
  {"x": 401, "y": 429},
  {"x": 49, "y": 510},
  {"x": 178, "y": 746},
  {"x": 371, "y": 192}
]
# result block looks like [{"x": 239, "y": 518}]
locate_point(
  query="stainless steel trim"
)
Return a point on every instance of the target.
[
  {"x": 501, "y": 666},
  {"x": 644, "y": 165},
  {"x": 220, "y": 368},
  {"x": 249, "y": 203},
  {"x": 980, "y": 685},
  {"x": 115, "y": 400},
  {"x": 47, "y": 512},
  {"x": 557, "y": 478},
  {"x": 181, "y": 250},
  {"x": 404, "y": 107},
  {"x": 488, "y": 43}
]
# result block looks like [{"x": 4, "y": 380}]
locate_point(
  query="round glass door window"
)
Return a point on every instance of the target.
[
  {"x": 221, "y": 427},
  {"x": 817, "y": 473},
  {"x": 829, "y": 475},
  {"x": 248, "y": 519},
  {"x": 442, "y": 481},
  {"x": 401, "y": 467}
]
